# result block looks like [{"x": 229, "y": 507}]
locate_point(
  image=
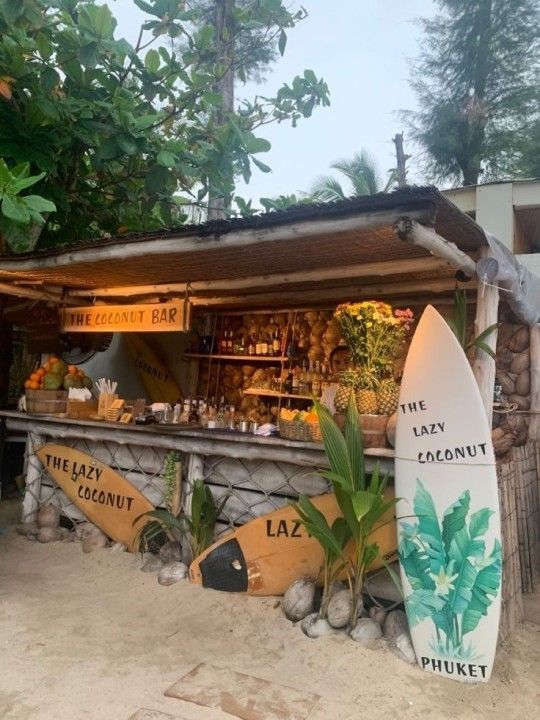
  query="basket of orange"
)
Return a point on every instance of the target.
[
  {"x": 46, "y": 389},
  {"x": 299, "y": 425}
]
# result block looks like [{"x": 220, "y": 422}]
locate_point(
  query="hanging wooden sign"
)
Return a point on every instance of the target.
[
  {"x": 103, "y": 495},
  {"x": 155, "y": 317},
  {"x": 157, "y": 379}
]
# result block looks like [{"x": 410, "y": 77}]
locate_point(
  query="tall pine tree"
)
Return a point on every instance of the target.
[{"x": 477, "y": 81}]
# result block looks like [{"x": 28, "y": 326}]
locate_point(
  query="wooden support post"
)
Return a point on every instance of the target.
[
  {"x": 534, "y": 425},
  {"x": 33, "y": 478},
  {"x": 487, "y": 310}
]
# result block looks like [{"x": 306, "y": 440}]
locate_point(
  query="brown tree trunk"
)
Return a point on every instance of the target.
[{"x": 218, "y": 204}]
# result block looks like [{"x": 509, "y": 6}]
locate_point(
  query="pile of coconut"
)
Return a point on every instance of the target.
[{"x": 301, "y": 604}]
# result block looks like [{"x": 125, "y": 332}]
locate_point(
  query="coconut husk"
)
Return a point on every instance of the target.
[
  {"x": 504, "y": 334},
  {"x": 248, "y": 370},
  {"x": 520, "y": 339},
  {"x": 502, "y": 444},
  {"x": 48, "y": 517},
  {"x": 516, "y": 425},
  {"x": 246, "y": 383},
  {"x": 312, "y": 316},
  {"x": 315, "y": 353},
  {"x": 504, "y": 357},
  {"x": 229, "y": 369},
  {"x": 319, "y": 327},
  {"x": 505, "y": 381},
  {"x": 523, "y": 383},
  {"x": 259, "y": 375},
  {"x": 520, "y": 362},
  {"x": 523, "y": 403}
]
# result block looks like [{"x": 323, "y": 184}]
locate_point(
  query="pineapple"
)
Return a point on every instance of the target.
[
  {"x": 366, "y": 402},
  {"x": 388, "y": 396},
  {"x": 348, "y": 381}
]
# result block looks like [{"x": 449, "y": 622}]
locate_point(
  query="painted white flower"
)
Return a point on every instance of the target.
[{"x": 443, "y": 582}]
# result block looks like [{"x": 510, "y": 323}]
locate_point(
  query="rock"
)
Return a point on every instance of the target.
[
  {"x": 378, "y": 614},
  {"x": 172, "y": 573},
  {"x": 94, "y": 539},
  {"x": 402, "y": 647},
  {"x": 314, "y": 626},
  {"x": 171, "y": 551},
  {"x": 27, "y": 528},
  {"x": 153, "y": 564},
  {"x": 49, "y": 534},
  {"x": 299, "y": 599},
  {"x": 81, "y": 529},
  {"x": 48, "y": 516},
  {"x": 395, "y": 624},
  {"x": 67, "y": 535},
  {"x": 118, "y": 547},
  {"x": 339, "y": 609},
  {"x": 366, "y": 632}
]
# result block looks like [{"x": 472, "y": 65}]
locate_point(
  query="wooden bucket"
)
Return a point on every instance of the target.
[
  {"x": 46, "y": 402},
  {"x": 373, "y": 430}
]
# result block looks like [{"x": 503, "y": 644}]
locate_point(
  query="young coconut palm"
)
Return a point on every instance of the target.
[{"x": 361, "y": 500}]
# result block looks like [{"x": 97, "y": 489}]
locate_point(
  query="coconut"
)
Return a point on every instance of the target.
[
  {"x": 312, "y": 317},
  {"x": 378, "y": 614},
  {"x": 339, "y": 609},
  {"x": 523, "y": 383},
  {"x": 523, "y": 403},
  {"x": 366, "y": 632},
  {"x": 505, "y": 381},
  {"x": 247, "y": 383},
  {"x": 299, "y": 599},
  {"x": 48, "y": 517},
  {"x": 94, "y": 539},
  {"x": 153, "y": 564},
  {"x": 171, "y": 551},
  {"x": 402, "y": 648},
  {"x": 315, "y": 353},
  {"x": 314, "y": 626},
  {"x": 172, "y": 573},
  {"x": 248, "y": 370},
  {"x": 259, "y": 375},
  {"x": 395, "y": 624},
  {"x": 520, "y": 362},
  {"x": 502, "y": 444},
  {"x": 49, "y": 534},
  {"x": 229, "y": 369},
  {"x": 504, "y": 333},
  {"x": 520, "y": 339},
  {"x": 319, "y": 328}
]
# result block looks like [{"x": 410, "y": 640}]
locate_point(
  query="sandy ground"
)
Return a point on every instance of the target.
[{"x": 90, "y": 636}]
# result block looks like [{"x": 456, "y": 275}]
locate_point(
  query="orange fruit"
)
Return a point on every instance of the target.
[
  {"x": 72, "y": 369},
  {"x": 27, "y": 383},
  {"x": 41, "y": 372},
  {"x": 81, "y": 373},
  {"x": 35, "y": 377},
  {"x": 52, "y": 359},
  {"x": 33, "y": 384}
]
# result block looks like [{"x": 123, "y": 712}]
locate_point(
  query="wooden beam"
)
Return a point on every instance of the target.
[
  {"x": 487, "y": 312},
  {"x": 534, "y": 424},
  {"x": 182, "y": 243},
  {"x": 371, "y": 269},
  {"x": 18, "y": 291},
  {"x": 412, "y": 232},
  {"x": 282, "y": 298}
]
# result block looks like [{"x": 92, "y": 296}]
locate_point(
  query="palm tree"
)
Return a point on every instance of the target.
[{"x": 362, "y": 173}]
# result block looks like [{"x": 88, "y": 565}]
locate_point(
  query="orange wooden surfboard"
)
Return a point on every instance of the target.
[
  {"x": 103, "y": 495},
  {"x": 156, "y": 377},
  {"x": 264, "y": 556}
]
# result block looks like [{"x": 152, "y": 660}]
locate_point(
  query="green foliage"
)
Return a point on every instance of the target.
[
  {"x": 123, "y": 137},
  {"x": 458, "y": 324},
  {"x": 477, "y": 81},
  {"x": 169, "y": 476},
  {"x": 361, "y": 500},
  {"x": 198, "y": 527},
  {"x": 453, "y": 580},
  {"x": 362, "y": 175}
]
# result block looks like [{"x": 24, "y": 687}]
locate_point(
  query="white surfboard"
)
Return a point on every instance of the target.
[{"x": 450, "y": 547}]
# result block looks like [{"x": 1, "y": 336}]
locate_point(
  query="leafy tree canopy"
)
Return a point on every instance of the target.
[
  {"x": 124, "y": 133},
  {"x": 477, "y": 81}
]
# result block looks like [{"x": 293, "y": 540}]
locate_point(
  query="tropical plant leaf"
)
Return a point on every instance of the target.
[
  {"x": 484, "y": 591},
  {"x": 354, "y": 443},
  {"x": 317, "y": 526},
  {"x": 335, "y": 446},
  {"x": 428, "y": 527},
  {"x": 362, "y": 502},
  {"x": 454, "y": 518},
  {"x": 421, "y": 604}
]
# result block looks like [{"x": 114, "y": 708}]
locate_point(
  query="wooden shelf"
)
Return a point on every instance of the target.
[
  {"x": 275, "y": 393},
  {"x": 243, "y": 358}
]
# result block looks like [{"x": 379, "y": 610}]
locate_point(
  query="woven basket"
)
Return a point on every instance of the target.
[
  {"x": 299, "y": 430},
  {"x": 45, "y": 402}
]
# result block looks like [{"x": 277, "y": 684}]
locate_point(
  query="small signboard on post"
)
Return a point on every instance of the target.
[{"x": 171, "y": 316}]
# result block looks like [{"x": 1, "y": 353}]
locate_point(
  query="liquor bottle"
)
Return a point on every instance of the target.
[
  {"x": 220, "y": 416},
  {"x": 223, "y": 343},
  {"x": 288, "y": 383},
  {"x": 230, "y": 342},
  {"x": 251, "y": 346},
  {"x": 184, "y": 416},
  {"x": 325, "y": 378},
  {"x": 258, "y": 346},
  {"x": 296, "y": 382},
  {"x": 276, "y": 342},
  {"x": 264, "y": 345},
  {"x": 203, "y": 414},
  {"x": 194, "y": 413},
  {"x": 303, "y": 387},
  {"x": 316, "y": 381}
]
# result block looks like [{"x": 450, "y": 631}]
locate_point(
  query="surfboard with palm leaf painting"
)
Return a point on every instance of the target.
[{"x": 445, "y": 475}]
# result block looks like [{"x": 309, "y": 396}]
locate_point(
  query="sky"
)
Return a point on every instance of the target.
[{"x": 360, "y": 48}]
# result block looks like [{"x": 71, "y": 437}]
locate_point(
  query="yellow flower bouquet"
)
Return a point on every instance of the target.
[{"x": 373, "y": 331}]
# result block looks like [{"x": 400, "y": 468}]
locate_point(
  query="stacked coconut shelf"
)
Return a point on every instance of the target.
[{"x": 238, "y": 379}]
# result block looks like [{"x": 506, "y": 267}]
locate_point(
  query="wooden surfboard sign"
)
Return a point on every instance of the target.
[
  {"x": 267, "y": 554},
  {"x": 103, "y": 495},
  {"x": 157, "y": 379},
  {"x": 445, "y": 475}
]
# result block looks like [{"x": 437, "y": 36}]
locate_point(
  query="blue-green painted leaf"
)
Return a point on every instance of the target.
[
  {"x": 428, "y": 527},
  {"x": 479, "y": 522},
  {"x": 484, "y": 591},
  {"x": 421, "y": 604},
  {"x": 464, "y": 546},
  {"x": 460, "y": 597},
  {"x": 454, "y": 518},
  {"x": 415, "y": 563}
]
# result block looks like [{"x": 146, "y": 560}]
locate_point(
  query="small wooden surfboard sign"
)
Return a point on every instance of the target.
[
  {"x": 103, "y": 495},
  {"x": 157, "y": 379},
  {"x": 267, "y": 554},
  {"x": 450, "y": 550}
]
